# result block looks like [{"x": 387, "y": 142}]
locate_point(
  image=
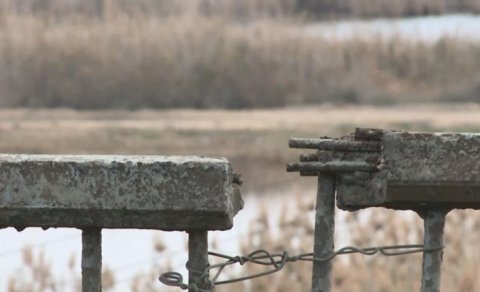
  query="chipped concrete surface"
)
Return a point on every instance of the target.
[
  {"x": 418, "y": 170},
  {"x": 155, "y": 192}
]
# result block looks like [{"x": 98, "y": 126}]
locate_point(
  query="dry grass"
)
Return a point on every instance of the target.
[
  {"x": 189, "y": 60},
  {"x": 242, "y": 10},
  {"x": 385, "y": 8}
]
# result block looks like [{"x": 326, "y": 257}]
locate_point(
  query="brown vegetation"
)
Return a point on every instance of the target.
[
  {"x": 246, "y": 9},
  {"x": 385, "y": 8},
  {"x": 185, "y": 59}
]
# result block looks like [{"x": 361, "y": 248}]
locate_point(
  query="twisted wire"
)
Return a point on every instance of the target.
[{"x": 278, "y": 261}]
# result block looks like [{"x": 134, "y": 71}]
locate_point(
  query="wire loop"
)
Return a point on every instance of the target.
[
  {"x": 277, "y": 261},
  {"x": 173, "y": 279}
]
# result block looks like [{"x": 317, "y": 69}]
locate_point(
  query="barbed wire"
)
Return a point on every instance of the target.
[{"x": 277, "y": 261}]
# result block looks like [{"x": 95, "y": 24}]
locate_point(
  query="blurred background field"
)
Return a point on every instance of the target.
[
  {"x": 256, "y": 141},
  {"x": 236, "y": 79},
  {"x": 202, "y": 54}
]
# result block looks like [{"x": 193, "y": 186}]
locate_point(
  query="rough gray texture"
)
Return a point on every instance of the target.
[
  {"x": 324, "y": 232},
  {"x": 434, "y": 222},
  {"x": 330, "y": 167},
  {"x": 198, "y": 276},
  {"x": 334, "y": 144},
  {"x": 154, "y": 192},
  {"x": 418, "y": 170},
  {"x": 92, "y": 260}
]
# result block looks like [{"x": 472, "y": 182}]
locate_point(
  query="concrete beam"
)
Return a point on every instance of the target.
[
  {"x": 146, "y": 192},
  {"x": 417, "y": 171}
]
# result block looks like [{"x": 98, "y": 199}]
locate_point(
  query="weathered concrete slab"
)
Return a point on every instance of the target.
[
  {"x": 151, "y": 192},
  {"x": 417, "y": 170}
]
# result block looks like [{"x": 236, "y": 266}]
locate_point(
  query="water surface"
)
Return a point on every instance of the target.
[{"x": 426, "y": 28}]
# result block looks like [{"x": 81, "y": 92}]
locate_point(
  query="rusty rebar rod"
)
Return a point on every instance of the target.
[
  {"x": 331, "y": 167},
  {"x": 324, "y": 232},
  {"x": 92, "y": 260},
  {"x": 334, "y": 145},
  {"x": 434, "y": 222},
  {"x": 198, "y": 276},
  {"x": 310, "y": 157}
]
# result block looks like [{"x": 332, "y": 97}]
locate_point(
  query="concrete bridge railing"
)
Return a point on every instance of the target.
[{"x": 174, "y": 193}]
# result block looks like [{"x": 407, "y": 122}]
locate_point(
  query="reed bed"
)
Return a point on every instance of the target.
[
  {"x": 189, "y": 60},
  {"x": 246, "y": 9}
]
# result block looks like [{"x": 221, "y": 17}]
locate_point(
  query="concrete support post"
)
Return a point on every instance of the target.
[
  {"x": 92, "y": 260},
  {"x": 198, "y": 261},
  {"x": 324, "y": 232},
  {"x": 434, "y": 222}
]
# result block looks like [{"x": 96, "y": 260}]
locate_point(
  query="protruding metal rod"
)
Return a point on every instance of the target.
[
  {"x": 308, "y": 173},
  {"x": 311, "y": 157},
  {"x": 198, "y": 261},
  {"x": 92, "y": 260},
  {"x": 335, "y": 145},
  {"x": 324, "y": 232},
  {"x": 434, "y": 222},
  {"x": 333, "y": 166}
]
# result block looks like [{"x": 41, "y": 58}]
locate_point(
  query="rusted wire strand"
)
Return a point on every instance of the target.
[{"x": 278, "y": 261}]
